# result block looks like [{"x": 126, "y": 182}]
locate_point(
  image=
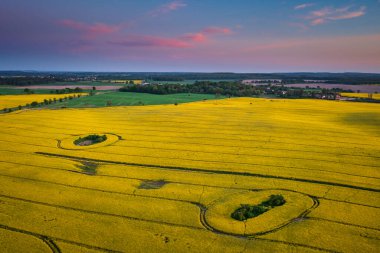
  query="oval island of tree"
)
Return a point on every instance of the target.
[
  {"x": 90, "y": 140},
  {"x": 250, "y": 211}
]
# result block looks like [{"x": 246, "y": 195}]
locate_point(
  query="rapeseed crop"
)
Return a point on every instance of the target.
[
  {"x": 167, "y": 178},
  {"x": 11, "y": 101}
]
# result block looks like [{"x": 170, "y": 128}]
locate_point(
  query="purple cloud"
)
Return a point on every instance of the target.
[
  {"x": 324, "y": 15},
  {"x": 91, "y": 30},
  {"x": 169, "y": 7}
]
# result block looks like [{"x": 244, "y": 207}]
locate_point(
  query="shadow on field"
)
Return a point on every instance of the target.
[
  {"x": 371, "y": 120},
  {"x": 152, "y": 184},
  {"x": 88, "y": 168}
]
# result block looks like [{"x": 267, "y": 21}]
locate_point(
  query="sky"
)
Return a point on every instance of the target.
[{"x": 190, "y": 35}]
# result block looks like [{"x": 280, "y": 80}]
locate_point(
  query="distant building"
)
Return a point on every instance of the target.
[{"x": 261, "y": 81}]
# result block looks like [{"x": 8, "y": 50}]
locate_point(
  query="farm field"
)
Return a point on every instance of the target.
[
  {"x": 10, "y": 101},
  {"x": 168, "y": 177},
  {"x": 131, "y": 98},
  {"x": 17, "y": 91},
  {"x": 360, "y": 95}
]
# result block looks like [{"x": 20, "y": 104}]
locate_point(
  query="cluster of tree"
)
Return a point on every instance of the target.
[
  {"x": 90, "y": 140},
  {"x": 28, "y": 80},
  {"x": 201, "y": 87},
  {"x": 67, "y": 91},
  {"x": 28, "y": 91},
  {"x": 250, "y": 211},
  {"x": 232, "y": 89}
]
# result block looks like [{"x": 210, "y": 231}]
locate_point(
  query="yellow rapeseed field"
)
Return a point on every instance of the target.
[
  {"x": 136, "y": 81},
  {"x": 11, "y": 101},
  {"x": 359, "y": 95},
  {"x": 168, "y": 177}
]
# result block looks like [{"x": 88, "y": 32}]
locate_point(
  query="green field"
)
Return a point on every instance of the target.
[
  {"x": 130, "y": 98},
  {"x": 11, "y": 91}
]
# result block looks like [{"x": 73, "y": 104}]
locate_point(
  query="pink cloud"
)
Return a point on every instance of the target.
[
  {"x": 205, "y": 33},
  {"x": 318, "y": 21},
  {"x": 184, "y": 41},
  {"x": 195, "y": 37},
  {"x": 90, "y": 30},
  {"x": 169, "y": 7},
  {"x": 324, "y": 15},
  {"x": 217, "y": 30},
  {"x": 150, "y": 41},
  {"x": 303, "y": 6}
]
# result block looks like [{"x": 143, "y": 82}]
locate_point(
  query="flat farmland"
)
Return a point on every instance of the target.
[
  {"x": 361, "y": 95},
  {"x": 168, "y": 177},
  {"x": 10, "y": 101}
]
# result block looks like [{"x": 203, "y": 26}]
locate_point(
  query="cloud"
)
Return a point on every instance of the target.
[
  {"x": 90, "y": 30},
  {"x": 166, "y": 8},
  {"x": 216, "y": 30},
  {"x": 195, "y": 37},
  {"x": 324, "y": 15},
  {"x": 150, "y": 41},
  {"x": 184, "y": 41},
  {"x": 205, "y": 33},
  {"x": 303, "y": 6}
]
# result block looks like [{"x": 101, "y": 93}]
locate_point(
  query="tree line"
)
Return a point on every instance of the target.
[{"x": 232, "y": 89}]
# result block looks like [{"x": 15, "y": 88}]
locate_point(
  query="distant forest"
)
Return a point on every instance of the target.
[{"x": 33, "y": 78}]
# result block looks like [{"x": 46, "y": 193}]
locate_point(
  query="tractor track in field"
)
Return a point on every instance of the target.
[
  {"x": 98, "y": 212},
  {"x": 54, "y": 247},
  {"x": 254, "y": 155},
  {"x": 343, "y": 223},
  {"x": 59, "y": 142},
  {"x": 348, "y": 202},
  {"x": 45, "y": 239},
  {"x": 203, "y": 209},
  {"x": 216, "y": 172},
  {"x": 215, "y": 161},
  {"x": 298, "y": 245},
  {"x": 199, "y": 205},
  {"x": 220, "y": 145},
  {"x": 301, "y": 216},
  {"x": 220, "y": 133},
  {"x": 224, "y": 162},
  {"x": 203, "y": 220},
  {"x": 173, "y": 122},
  {"x": 49, "y": 240},
  {"x": 142, "y": 179}
]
